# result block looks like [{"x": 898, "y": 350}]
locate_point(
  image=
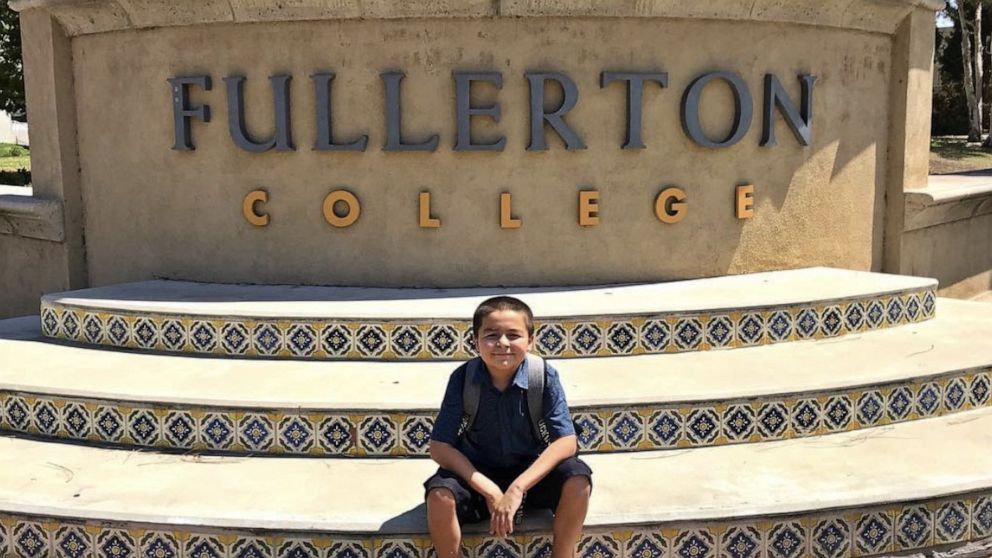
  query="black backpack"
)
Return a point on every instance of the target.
[{"x": 472, "y": 393}]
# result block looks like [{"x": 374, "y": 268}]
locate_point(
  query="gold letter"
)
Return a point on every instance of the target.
[
  {"x": 670, "y": 205},
  {"x": 588, "y": 208},
  {"x": 745, "y": 201},
  {"x": 248, "y": 208},
  {"x": 506, "y": 219},
  {"x": 350, "y": 216},
  {"x": 426, "y": 221}
]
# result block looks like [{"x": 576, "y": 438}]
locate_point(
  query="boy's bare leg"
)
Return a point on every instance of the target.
[
  {"x": 442, "y": 521},
  {"x": 570, "y": 516}
]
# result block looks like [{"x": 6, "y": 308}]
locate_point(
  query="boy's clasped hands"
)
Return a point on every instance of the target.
[{"x": 503, "y": 507}]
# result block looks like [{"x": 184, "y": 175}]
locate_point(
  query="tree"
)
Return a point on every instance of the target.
[
  {"x": 969, "y": 13},
  {"x": 949, "y": 114},
  {"x": 11, "y": 70}
]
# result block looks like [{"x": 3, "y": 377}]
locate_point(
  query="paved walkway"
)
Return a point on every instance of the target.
[{"x": 16, "y": 190}]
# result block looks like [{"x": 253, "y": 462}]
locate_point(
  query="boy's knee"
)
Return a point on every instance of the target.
[
  {"x": 441, "y": 499},
  {"x": 577, "y": 486}
]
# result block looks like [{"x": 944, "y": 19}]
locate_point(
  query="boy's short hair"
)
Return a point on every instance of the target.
[{"x": 498, "y": 303}]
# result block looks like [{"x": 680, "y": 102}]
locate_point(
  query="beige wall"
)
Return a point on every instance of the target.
[
  {"x": 958, "y": 254},
  {"x": 42, "y": 246},
  {"x": 29, "y": 268},
  {"x": 151, "y": 211}
]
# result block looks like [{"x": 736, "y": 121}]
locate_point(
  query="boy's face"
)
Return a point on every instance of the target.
[{"x": 503, "y": 341}]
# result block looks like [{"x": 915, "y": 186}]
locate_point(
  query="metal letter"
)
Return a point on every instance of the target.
[
  {"x": 800, "y": 122},
  {"x": 464, "y": 111},
  {"x": 670, "y": 205},
  {"x": 325, "y": 138},
  {"x": 588, "y": 208},
  {"x": 635, "y": 95},
  {"x": 349, "y": 200},
  {"x": 248, "y": 208},
  {"x": 281, "y": 139},
  {"x": 743, "y": 109},
  {"x": 506, "y": 218},
  {"x": 394, "y": 133},
  {"x": 570, "y": 96},
  {"x": 745, "y": 201},
  {"x": 426, "y": 221},
  {"x": 182, "y": 112}
]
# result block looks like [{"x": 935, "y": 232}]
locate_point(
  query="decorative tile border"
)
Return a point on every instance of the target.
[
  {"x": 846, "y": 533},
  {"x": 592, "y": 336},
  {"x": 614, "y": 428}
]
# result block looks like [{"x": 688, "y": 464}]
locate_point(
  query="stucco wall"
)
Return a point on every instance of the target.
[
  {"x": 29, "y": 268},
  {"x": 152, "y": 211},
  {"x": 958, "y": 254}
]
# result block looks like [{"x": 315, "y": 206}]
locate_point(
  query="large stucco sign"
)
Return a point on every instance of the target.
[{"x": 441, "y": 143}]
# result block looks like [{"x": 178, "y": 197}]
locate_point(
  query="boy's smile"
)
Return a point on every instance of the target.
[{"x": 503, "y": 342}]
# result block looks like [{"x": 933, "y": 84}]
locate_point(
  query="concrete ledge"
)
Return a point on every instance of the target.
[
  {"x": 81, "y": 17},
  {"x": 949, "y": 198},
  {"x": 350, "y": 323},
  {"x": 953, "y": 341},
  {"x": 898, "y": 472},
  {"x": 32, "y": 217},
  {"x": 360, "y": 409}
]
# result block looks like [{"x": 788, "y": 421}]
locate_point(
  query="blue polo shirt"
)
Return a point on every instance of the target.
[{"x": 501, "y": 435}]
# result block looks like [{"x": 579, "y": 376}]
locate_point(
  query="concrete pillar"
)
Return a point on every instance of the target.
[
  {"x": 56, "y": 260},
  {"x": 910, "y": 97}
]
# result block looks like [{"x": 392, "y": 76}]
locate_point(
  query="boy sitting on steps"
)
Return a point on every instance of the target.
[{"x": 494, "y": 449}]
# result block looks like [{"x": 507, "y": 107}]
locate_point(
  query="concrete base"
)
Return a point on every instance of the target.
[
  {"x": 925, "y": 483},
  {"x": 354, "y": 409},
  {"x": 949, "y": 233},
  {"x": 341, "y": 323}
]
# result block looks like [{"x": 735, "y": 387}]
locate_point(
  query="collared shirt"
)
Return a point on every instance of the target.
[{"x": 502, "y": 435}]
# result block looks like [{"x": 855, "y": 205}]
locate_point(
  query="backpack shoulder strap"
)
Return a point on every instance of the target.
[
  {"x": 535, "y": 397},
  {"x": 471, "y": 394}
]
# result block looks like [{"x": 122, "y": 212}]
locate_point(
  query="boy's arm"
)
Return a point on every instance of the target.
[
  {"x": 445, "y": 436},
  {"x": 558, "y": 451},
  {"x": 559, "y": 423},
  {"x": 448, "y": 457}
]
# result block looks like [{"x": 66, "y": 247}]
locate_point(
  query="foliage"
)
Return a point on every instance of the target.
[
  {"x": 11, "y": 70},
  {"x": 15, "y": 164},
  {"x": 949, "y": 115},
  {"x": 19, "y": 177},
  {"x": 8, "y": 150}
]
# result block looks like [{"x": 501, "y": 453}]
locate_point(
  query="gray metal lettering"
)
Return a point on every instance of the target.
[
  {"x": 182, "y": 112},
  {"x": 570, "y": 96},
  {"x": 281, "y": 139},
  {"x": 464, "y": 111},
  {"x": 325, "y": 138},
  {"x": 394, "y": 132},
  {"x": 635, "y": 95},
  {"x": 743, "y": 109},
  {"x": 800, "y": 122}
]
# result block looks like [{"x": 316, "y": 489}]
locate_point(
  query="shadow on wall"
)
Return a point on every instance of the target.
[{"x": 958, "y": 254}]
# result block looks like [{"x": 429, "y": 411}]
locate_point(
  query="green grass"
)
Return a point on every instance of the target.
[
  {"x": 14, "y": 163},
  {"x": 954, "y": 154},
  {"x": 13, "y": 157}
]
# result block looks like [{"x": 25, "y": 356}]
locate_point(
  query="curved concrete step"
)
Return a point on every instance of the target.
[
  {"x": 424, "y": 324},
  {"x": 648, "y": 402},
  {"x": 909, "y": 486}
]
